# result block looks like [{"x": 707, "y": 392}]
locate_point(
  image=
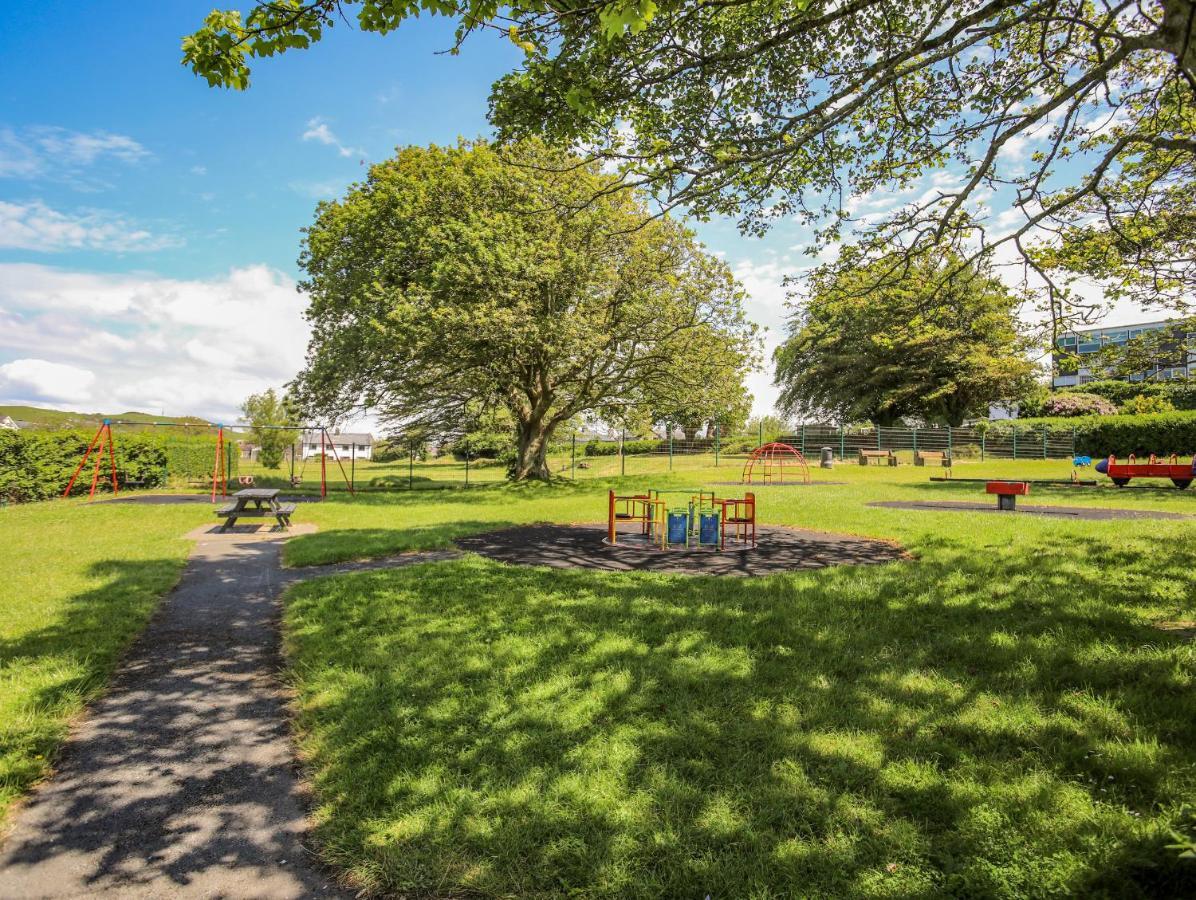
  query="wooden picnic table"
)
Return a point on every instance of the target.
[{"x": 265, "y": 504}]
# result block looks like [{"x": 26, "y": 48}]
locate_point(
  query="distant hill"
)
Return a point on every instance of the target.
[{"x": 35, "y": 416}]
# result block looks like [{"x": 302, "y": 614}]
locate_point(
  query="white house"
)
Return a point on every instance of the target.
[{"x": 347, "y": 444}]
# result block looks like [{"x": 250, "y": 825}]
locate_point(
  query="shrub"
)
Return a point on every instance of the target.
[
  {"x": 1161, "y": 433},
  {"x": 1118, "y": 392},
  {"x": 1144, "y": 404},
  {"x": 611, "y": 448},
  {"x": 1181, "y": 394},
  {"x": 1078, "y": 404},
  {"x": 36, "y": 465}
]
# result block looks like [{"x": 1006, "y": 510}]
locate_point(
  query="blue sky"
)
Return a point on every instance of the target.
[{"x": 149, "y": 225}]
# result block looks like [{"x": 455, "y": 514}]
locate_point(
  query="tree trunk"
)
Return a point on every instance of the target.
[{"x": 531, "y": 451}]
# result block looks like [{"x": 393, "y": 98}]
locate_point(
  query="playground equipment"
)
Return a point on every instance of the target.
[
  {"x": 98, "y": 445},
  {"x": 769, "y": 462},
  {"x": 1007, "y": 493},
  {"x": 702, "y": 521},
  {"x": 1181, "y": 474},
  {"x": 103, "y": 442}
]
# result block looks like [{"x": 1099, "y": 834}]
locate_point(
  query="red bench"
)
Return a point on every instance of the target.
[{"x": 1007, "y": 492}]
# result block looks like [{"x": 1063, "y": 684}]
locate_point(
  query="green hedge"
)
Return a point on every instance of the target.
[
  {"x": 36, "y": 465},
  {"x": 1098, "y": 436},
  {"x": 611, "y": 448}
]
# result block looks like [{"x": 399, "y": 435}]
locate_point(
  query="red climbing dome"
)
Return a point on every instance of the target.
[{"x": 772, "y": 463}]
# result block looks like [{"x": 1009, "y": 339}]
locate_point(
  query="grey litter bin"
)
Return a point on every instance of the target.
[{"x": 828, "y": 458}]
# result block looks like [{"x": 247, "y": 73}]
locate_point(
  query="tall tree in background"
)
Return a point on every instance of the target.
[
  {"x": 939, "y": 344},
  {"x": 452, "y": 282},
  {"x": 769, "y": 109},
  {"x": 270, "y": 408}
]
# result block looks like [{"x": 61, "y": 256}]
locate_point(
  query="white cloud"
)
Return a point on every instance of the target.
[
  {"x": 318, "y": 130},
  {"x": 318, "y": 190},
  {"x": 35, "y": 226},
  {"x": 154, "y": 344},
  {"x": 199, "y": 170},
  {"x": 57, "y": 152},
  {"x": 40, "y": 379}
]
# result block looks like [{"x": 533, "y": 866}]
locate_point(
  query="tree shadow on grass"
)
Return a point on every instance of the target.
[
  {"x": 962, "y": 725},
  {"x": 347, "y": 544}
]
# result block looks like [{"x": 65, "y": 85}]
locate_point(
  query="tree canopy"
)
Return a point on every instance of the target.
[
  {"x": 829, "y": 110},
  {"x": 453, "y": 281},
  {"x": 940, "y": 344}
]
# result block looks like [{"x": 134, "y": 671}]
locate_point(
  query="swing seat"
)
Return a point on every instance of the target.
[{"x": 245, "y": 480}]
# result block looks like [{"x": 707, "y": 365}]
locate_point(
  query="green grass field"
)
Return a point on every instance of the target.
[
  {"x": 1010, "y": 713},
  {"x": 1003, "y": 716}
]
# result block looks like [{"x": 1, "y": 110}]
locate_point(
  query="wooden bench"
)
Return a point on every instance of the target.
[
  {"x": 1007, "y": 493},
  {"x": 942, "y": 457},
  {"x": 885, "y": 457},
  {"x": 230, "y": 513}
]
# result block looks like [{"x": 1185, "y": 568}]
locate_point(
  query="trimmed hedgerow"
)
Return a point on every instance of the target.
[
  {"x": 1161, "y": 433},
  {"x": 36, "y": 465}
]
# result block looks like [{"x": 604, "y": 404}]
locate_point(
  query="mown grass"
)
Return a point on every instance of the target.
[
  {"x": 79, "y": 582},
  {"x": 1000, "y": 717}
]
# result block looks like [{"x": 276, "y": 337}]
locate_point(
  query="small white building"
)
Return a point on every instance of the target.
[{"x": 347, "y": 444}]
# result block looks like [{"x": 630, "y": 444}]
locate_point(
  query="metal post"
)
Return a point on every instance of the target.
[
  {"x": 915, "y": 431},
  {"x": 760, "y": 443},
  {"x": 292, "y": 463},
  {"x": 803, "y": 439},
  {"x": 982, "y": 446},
  {"x": 950, "y": 443},
  {"x": 1044, "y": 442},
  {"x": 622, "y": 454},
  {"x": 573, "y": 458},
  {"x": 670, "y": 449},
  {"x": 717, "y": 431},
  {"x": 877, "y": 437},
  {"x": 1073, "y": 441},
  {"x": 467, "y": 468},
  {"x": 1015, "y": 442},
  {"x": 411, "y": 467},
  {"x": 842, "y": 445},
  {"x": 353, "y": 464}
]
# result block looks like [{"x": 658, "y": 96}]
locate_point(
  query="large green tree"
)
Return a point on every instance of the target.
[
  {"x": 767, "y": 109},
  {"x": 453, "y": 281},
  {"x": 266, "y": 413},
  {"x": 873, "y": 343}
]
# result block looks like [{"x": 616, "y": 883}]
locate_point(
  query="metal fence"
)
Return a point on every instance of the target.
[{"x": 1002, "y": 442}]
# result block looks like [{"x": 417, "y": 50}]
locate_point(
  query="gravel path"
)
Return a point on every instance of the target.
[{"x": 181, "y": 781}]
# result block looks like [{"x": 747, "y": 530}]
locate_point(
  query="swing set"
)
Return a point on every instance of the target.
[{"x": 103, "y": 443}]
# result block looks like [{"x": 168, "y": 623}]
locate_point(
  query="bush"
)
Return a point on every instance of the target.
[
  {"x": 1118, "y": 392},
  {"x": 1144, "y": 405},
  {"x": 1161, "y": 433},
  {"x": 1181, "y": 394},
  {"x": 1077, "y": 404},
  {"x": 36, "y": 465},
  {"x": 481, "y": 445},
  {"x": 611, "y": 448}
]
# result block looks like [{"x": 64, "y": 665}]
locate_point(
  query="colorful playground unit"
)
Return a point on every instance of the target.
[
  {"x": 1181, "y": 474},
  {"x": 699, "y": 520}
]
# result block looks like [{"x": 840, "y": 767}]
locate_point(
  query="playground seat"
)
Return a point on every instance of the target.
[{"x": 1007, "y": 493}]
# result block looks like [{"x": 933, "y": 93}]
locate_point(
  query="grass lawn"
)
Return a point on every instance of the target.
[
  {"x": 79, "y": 582},
  {"x": 1011, "y": 714}
]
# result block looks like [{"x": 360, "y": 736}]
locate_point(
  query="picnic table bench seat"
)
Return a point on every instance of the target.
[{"x": 265, "y": 507}]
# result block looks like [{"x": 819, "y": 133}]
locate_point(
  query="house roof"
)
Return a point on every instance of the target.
[{"x": 344, "y": 437}]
